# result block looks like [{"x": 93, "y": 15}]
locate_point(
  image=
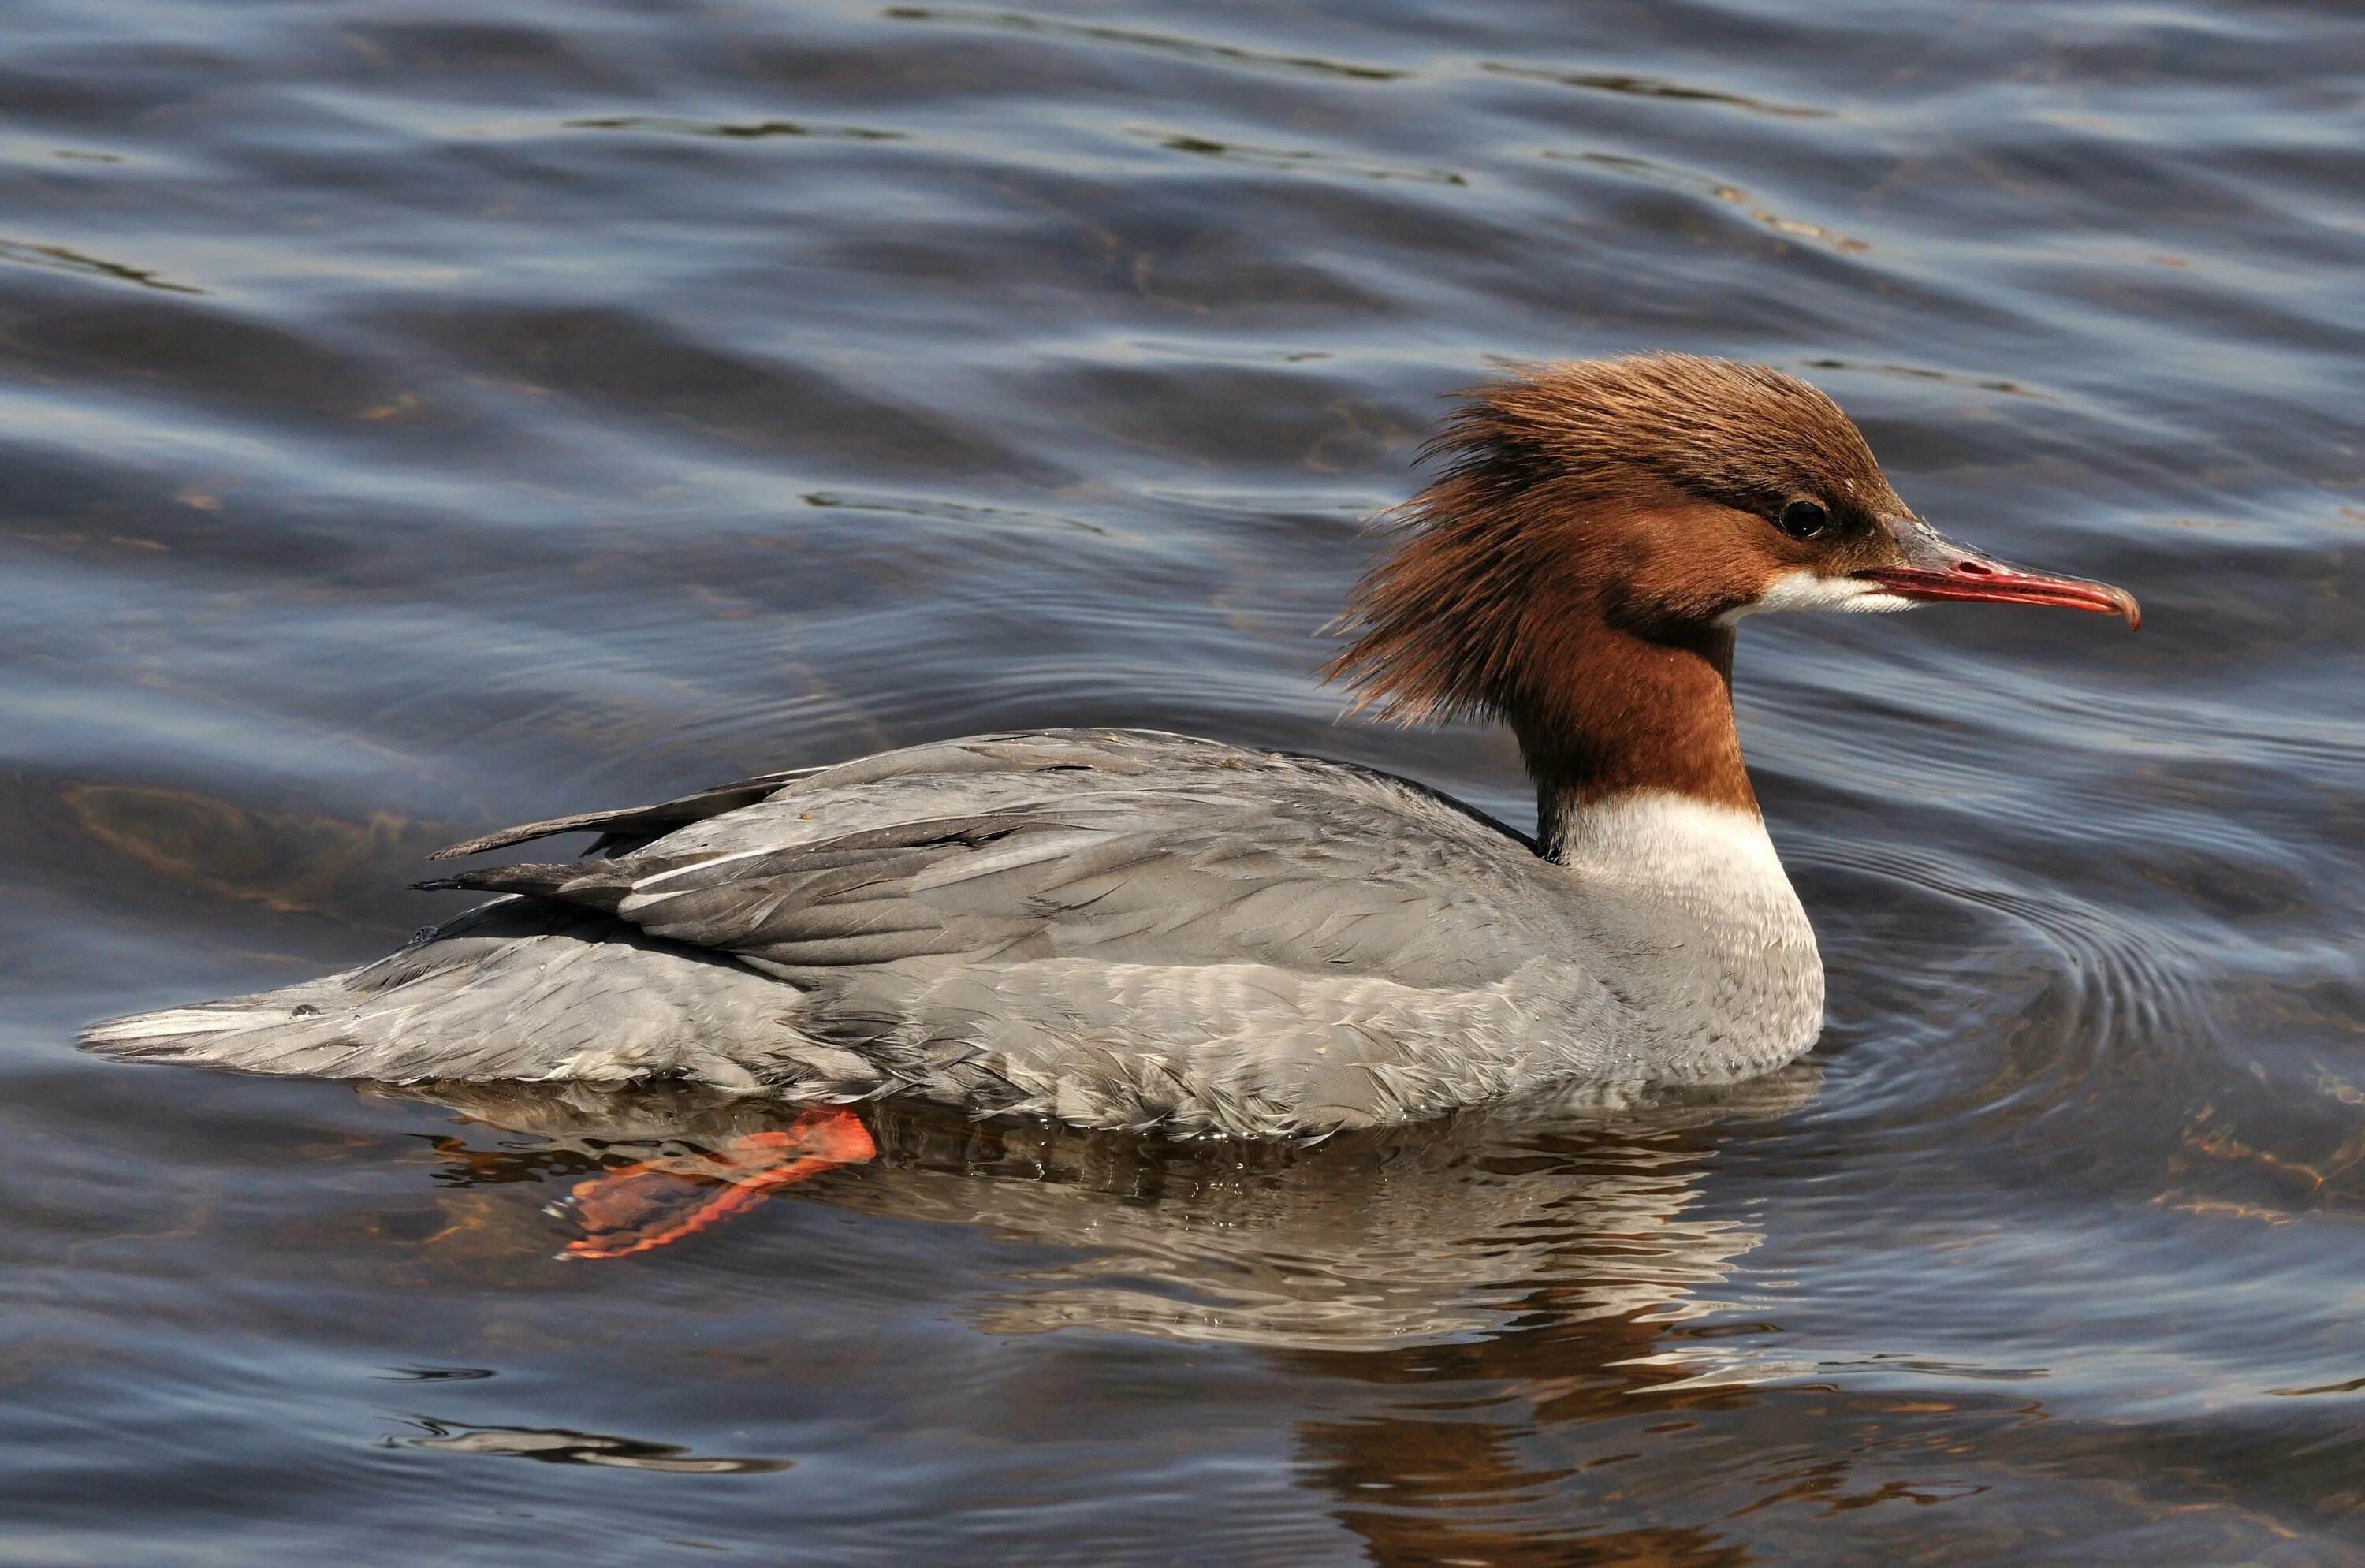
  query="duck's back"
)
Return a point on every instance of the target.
[{"x": 1115, "y": 927}]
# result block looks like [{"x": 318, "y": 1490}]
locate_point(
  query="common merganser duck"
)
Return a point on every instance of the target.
[{"x": 1125, "y": 928}]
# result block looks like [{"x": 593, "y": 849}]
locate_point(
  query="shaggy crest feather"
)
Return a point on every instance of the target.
[{"x": 1475, "y": 602}]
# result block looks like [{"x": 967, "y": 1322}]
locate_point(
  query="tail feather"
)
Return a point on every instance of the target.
[
  {"x": 515, "y": 991},
  {"x": 138, "y": 1033}
]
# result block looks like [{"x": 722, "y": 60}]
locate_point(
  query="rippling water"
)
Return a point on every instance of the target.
[{"x": 416, "y": 417}]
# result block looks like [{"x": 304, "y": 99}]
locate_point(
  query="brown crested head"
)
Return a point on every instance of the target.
[{"x": 1650, "y": 501}]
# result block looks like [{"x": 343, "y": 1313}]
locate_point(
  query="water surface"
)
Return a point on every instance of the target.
[{"x": 416, "y": 417}]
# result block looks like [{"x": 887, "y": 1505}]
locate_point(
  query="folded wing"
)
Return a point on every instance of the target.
[{"x": 1230, "y": 858}]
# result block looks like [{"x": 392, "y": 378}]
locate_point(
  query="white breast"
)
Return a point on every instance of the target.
[{"x": 1710, "y": 943}]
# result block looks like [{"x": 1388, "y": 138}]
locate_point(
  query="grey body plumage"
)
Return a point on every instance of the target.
[{"x": 1111, "y": 928}]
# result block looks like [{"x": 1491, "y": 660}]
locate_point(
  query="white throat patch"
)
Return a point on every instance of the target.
[{"x": 1803, "y": 589}]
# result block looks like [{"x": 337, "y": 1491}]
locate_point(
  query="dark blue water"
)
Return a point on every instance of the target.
[{"x": 416, "y": 417}]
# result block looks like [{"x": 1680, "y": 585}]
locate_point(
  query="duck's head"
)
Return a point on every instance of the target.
[{"x": 1658, "y": 499}]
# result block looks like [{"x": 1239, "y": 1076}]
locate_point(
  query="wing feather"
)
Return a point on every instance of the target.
[
  {"x": 635, "y": 822},
  {"x": 1177, "y": 869}
]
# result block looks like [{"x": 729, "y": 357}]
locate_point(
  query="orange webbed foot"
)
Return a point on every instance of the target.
[{"x": 655, "y": 1201}]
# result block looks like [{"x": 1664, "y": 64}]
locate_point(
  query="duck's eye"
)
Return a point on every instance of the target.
[{"x": 1803, "y": 519}]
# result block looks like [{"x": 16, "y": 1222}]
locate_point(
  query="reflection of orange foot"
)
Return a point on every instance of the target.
[{"x": 635, "y": 1207}]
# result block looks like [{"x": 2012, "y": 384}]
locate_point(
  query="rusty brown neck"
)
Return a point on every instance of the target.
[{"x": 1635, "y": 714}]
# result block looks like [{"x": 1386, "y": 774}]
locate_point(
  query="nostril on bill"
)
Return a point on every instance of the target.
[{"x": 1973, "y": 569}]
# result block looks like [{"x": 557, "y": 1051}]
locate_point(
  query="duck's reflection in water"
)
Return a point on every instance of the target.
[
  {"x": 556, "y": 1445},
  {"x": 1510, "y": 1273},
  {"x": 1383, "y": 1239}
]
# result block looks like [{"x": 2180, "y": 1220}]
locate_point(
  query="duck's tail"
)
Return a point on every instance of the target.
[
  {"x": 516, "y": 990},
  {"x": 261, "y": 1032}
]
